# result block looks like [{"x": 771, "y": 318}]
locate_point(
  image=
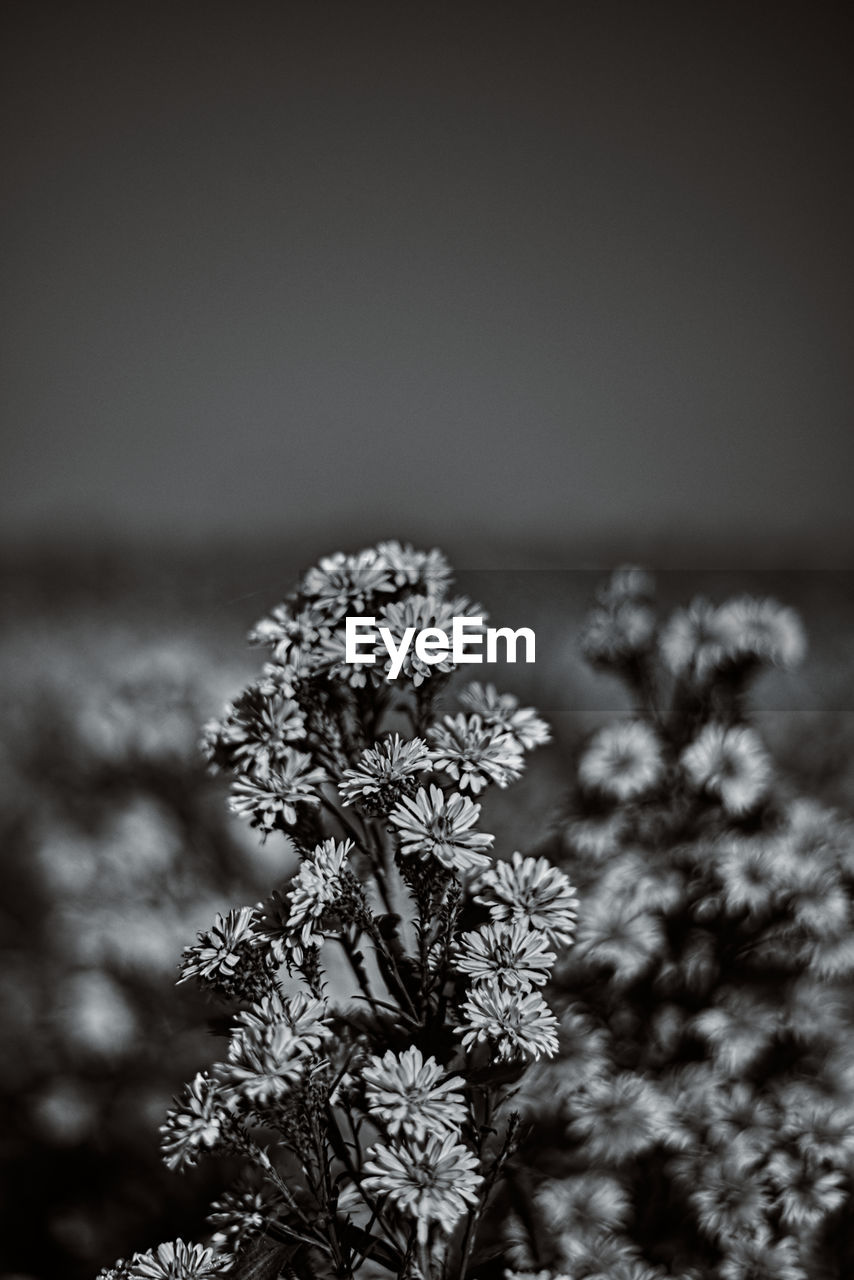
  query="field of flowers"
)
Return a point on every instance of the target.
[{"x": 596, "y": 999}]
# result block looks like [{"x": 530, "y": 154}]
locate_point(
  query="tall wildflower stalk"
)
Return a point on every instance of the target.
[
  {"x": 383, "y": 1004},
  {"x": 700, "y": 1120}
]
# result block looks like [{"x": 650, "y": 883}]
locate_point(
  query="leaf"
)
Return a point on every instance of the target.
[{"x": 372, "y": 1247}]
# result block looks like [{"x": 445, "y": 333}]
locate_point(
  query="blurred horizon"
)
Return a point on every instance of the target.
[{"x": 549, "y": 281}]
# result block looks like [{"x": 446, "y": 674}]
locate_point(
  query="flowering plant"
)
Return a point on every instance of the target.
[
  {"x": 384, "y": 1003},
  {"x": 700, "y": 1120}
]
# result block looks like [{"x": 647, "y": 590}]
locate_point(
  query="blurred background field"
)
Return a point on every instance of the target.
[{"x": 118, "y": 845}]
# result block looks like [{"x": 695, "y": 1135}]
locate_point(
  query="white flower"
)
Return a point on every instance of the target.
[
  {"x": 622, "y": 761},
  {"x": 545, "y": 1274},
  {"x": 241, "y": 1214},
  {"x": 421, "y": 612},
  {"x": 473, "y": 754},
  {"x": 731, "y": 764},
  {"x": 230, "y": 951},
  {"x": 304, "y": 1015},
  {"x": 264, "y": 1065},
  {"x": 693, "y": 641},
  {"x": 618, "y": 1117},
  {"x": 277, "y": 679},
  {"x": 532, "y": 891},
  {"x": 804, "y": 1195},
  {"x": 583, "y": 1201},
  {"x": 627, "y": 582},
  {"x": 516, "y": 1024},
  {"x": 762, "y": 629},
  {"x": 255, "y": 732},
  {"x": 343, "y": 584},
  {"x": 703, "y": 638},
  {"x": 179, "y": 1261},
  {"x": 618, "y": 633},
  {"x": 292, "y": 638},
  {"x": 332, "y": 660},
  {"x": 616, "y": 932},
  {"x": 749, "y": 1256},
  {"x": 502, "y": 711},
  {"x": 276, "y": 793},
  {"x": 432, "y": 824},
  {"x": 412, "y": 1096},
  {"x": 194, "y": 1127},
  {"x": 384, "y": 772},
  {"x": 738, "y": 1029},
  {"x": 511, "y": 954},
  {"x": 433, "y": 1182},
  {"x": 316, "y": 887},
  {"x": 427, "y": 570},
  {"x": 749, "y": 871}
]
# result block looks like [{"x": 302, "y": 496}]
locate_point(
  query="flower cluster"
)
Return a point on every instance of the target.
[
  {"x": 381, "y": 1001},
  {"x": 700, "y": 1118}
]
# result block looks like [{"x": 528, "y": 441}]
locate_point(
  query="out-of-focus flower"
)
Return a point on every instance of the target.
[
  {"x": 622, "y": 761},
  {"x": 619, "y": 633},
  {"x": 755, "y": 1257},
  {"x": 502, "y": 711},
  {"x": 703, "y": 639},
  {"x": 384, "y": 773},
  {"x": 149, "y": 707},
  {"x": 66, "y": 1112},
  {"x": 586, "y": 1201},
  {"x": 516, "y": 1024},
  {"x": 730, "y": 764},
  {"x": 603, "y": 1255},
  {"x": 531, "y": 891},
  {"x": 597, "y": 837},
  {"x": 748, "y": 871},
  {"x": 728, "y": 1194},
  {"x": 432, "y": 824},
  {"x": 94, "y": 1015},
  {"x": 412, "y": 1095},
  {"x": 692, "y": 642},
  {"x": 275, "y": 795},
  {"x": 433, "y": 1182},
  {"x": 762, "y": 629},
  {"x": 619, "y": 1117},
  {"x": 513, "y": 955},
  {"x": 627, "y": 582},
  {"x": 614, "y": 932},
  {"x": 738, "y": 1029},
  {"x": 804, "y": 1195},
  {"x": 545, "y": 1274},
  {"x": 820, "y": 1128},
  {"x": 474, "y": 754}
]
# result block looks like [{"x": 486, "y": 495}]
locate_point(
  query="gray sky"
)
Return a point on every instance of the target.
[{"x": 534, "y": 271}]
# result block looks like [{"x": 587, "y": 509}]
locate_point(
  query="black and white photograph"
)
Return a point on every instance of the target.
[{"x": 427, "y": 648}]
